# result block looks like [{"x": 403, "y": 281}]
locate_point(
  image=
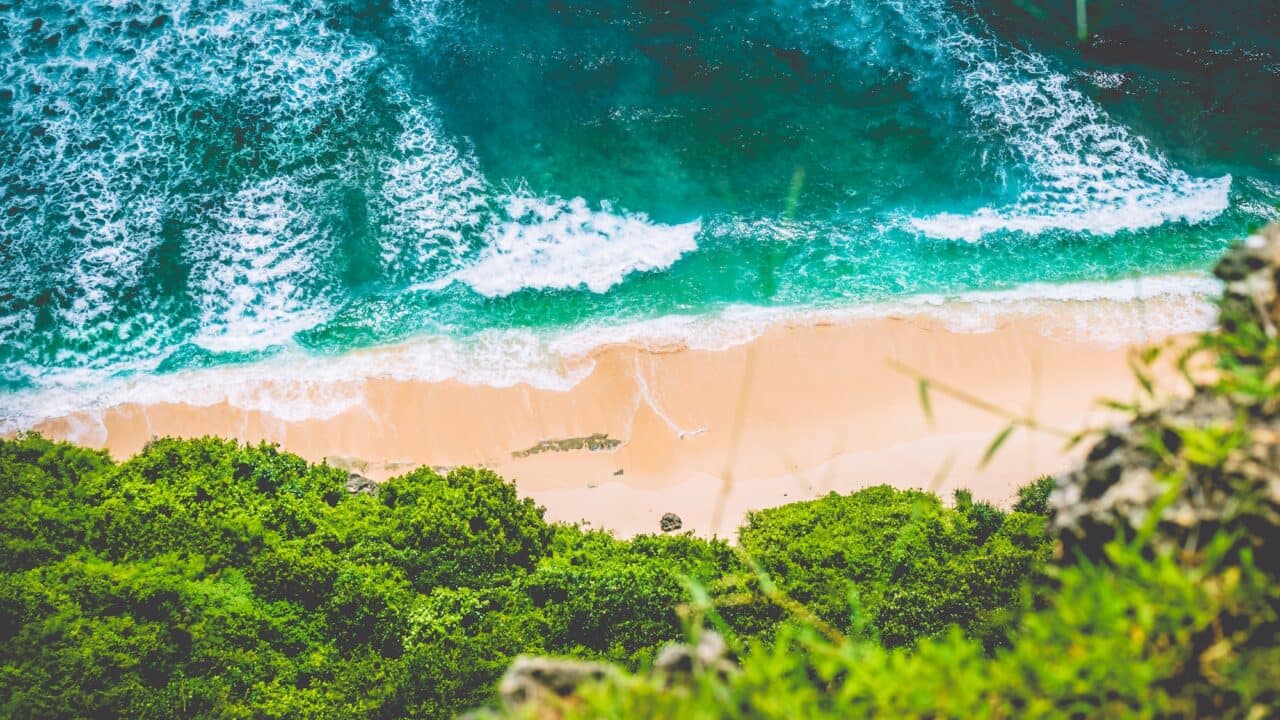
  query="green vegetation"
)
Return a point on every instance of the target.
[
  {"x": 1034, "y": 497},
  {"x": 1129, "y": 640},
  {"x": 908, "y": 566},
  {"x": 1163, "y": 599},
  {"x": 202, "y": 578}
]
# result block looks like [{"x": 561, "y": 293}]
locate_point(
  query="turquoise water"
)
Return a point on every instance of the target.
[{"x": 216, "y": 183}]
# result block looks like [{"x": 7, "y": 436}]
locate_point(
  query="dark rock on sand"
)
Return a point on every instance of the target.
[
  {"x": 670, "y": 522},
  {"x": 357, "y": 483},
  {"x": 595, "y": 442}
]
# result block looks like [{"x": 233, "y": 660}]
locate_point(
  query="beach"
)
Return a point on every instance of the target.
[{"x": 805, "y": 407}]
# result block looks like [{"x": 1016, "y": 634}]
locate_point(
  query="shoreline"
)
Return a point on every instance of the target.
[{"x": 801, "y": 409}]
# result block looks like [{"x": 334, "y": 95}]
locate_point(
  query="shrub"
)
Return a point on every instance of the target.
[
  {"x": 467, "y": 527},
  {"x": 1033, "y": 498},
  {"x": 912, "y": 565},
  {"x": 40, "y": 487},
  {"x": 619, "y": 599},
  {"x": 203, "y": 578}
]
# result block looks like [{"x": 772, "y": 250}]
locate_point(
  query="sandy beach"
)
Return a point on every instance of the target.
[{"x": 801, "y": 410}]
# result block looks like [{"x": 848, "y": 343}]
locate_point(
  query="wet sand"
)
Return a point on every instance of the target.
[{"x": 800, "y": 411}]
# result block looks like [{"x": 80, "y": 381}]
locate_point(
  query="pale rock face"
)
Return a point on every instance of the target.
[{"x": 531, "y": 680}]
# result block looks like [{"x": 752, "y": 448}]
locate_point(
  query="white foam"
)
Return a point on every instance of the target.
[
  {"x": 558, "y": 244},
  {"x": 1106, "y": 80},
  {"x": 431, "y": 198},
  {"x": 1193, "y": 202},
  {"x": 296, "y": 386},
  {"x": 257, "y": 273},
  {"x": 1111, "y": 313},
  {"x": 112, "y": 169},
  {"x": 1087, "y": 173}
]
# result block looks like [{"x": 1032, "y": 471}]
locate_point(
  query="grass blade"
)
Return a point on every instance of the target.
[
  {"x": 925, "y": 404},
  {"x": 995, "y": 444}
]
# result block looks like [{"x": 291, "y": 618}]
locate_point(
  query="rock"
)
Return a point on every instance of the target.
[
  {"x": 1121, "y": 481},
  {"x": 595, "y": 442},
  {"x": 398, "y": 465},
  {"x": 531, "y": 679},
  {"x": 350, "y": 464},
  {"x": 677, "y": 661},
  {"x": 531, "y": 682},
  {"x": 1252, "y": 291},
  {"x": 357, "y": 483},
  {"x": 618, "y": 471},
  {"x": 670, "y": 522}
]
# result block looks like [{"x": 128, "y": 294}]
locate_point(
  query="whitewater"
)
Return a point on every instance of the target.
[{"x": 262, "y": 203}]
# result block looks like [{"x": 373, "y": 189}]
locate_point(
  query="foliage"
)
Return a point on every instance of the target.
[
  {"x": 1114, "y": 642},
  {"x": 603, "y": 596},
  {"x": 39, "y": 499},
  {"x": 202, "y": 578},
  {"x": 911, "y": 565},
  {"x": 1033, "y": 498},
  {"x": 1164, "y": 600}
]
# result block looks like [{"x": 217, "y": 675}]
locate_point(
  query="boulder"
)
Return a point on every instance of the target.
[
  {"x": 357, "y": 483},
  {"x": 670, "y": 522},
  {"x": 677, "y": 661},
  {"x": 531, "y": 680}
]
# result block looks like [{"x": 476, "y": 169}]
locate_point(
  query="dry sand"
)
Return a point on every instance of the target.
[{"x": 800, "y": 411}]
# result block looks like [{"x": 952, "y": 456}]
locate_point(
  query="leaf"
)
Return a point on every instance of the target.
[
  {"x": 1149, "y": 355},
  {"x": 1124, "y": 407},
  {"x": 1078, "y": 438},
  {"x": 1143, "y": 379},
  {"x": 925, "y": 403},
  {"x": 995, "y": 444}
]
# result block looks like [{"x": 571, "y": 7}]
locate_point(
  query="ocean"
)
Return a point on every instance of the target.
[{"x": 196, "y": 194}]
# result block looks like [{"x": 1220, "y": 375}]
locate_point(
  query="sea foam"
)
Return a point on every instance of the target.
[
  {"x": 431, "y": 202},
  {"x": 551, "y": 244},
  {"x": 255, "y": 269},
  {"x": 1087, "y": 173},
  {"x": 296, "y": 385}
]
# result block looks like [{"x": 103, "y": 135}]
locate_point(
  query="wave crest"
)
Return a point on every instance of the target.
[{"x": 561, "y": 245}]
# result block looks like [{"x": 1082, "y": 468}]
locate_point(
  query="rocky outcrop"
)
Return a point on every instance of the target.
[
  {"x": 532, "y": 683},
  {"x": 533, "y": 680},
  {"x": 1203, "y": 462},
  {"x": 595, "y": 442},
  {"x": 357, "y": 483},
  {"x": 678, "y": 661}
]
